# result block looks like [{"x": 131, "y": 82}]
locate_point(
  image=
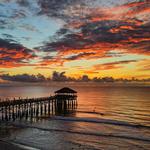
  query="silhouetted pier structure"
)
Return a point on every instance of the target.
[{"x": 63, "y": 101}]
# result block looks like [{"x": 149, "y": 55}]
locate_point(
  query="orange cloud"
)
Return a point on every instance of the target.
[
  {"x": 112, "y": 65},
  {"x": 14, "y": 54},
  {"x": 144, "y": 65}
]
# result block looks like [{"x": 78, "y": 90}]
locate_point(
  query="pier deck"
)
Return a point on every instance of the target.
[{"x": 36, "y": 107}]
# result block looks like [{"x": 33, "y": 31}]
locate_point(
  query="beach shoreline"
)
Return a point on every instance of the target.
[{"x": 4, "y": 145}]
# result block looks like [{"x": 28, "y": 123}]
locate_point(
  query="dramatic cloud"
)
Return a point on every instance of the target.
[
  {"x": 13, "y": 54},
  {"x": 14, "y": 13},
  {"x": 65, "y": 32},
  {"x": 67, "y": 10},
  {"x": 23, "y": 78},
  {"x": 144, "y": 65},
  {"x": 61, "y": 77},
  {"x": 121, "y": 27},
  {"x": 80, "y": 56},
  {"x": 112, "y": 65}
]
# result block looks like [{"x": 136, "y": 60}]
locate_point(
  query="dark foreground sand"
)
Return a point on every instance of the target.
[{"x": 8, "y": 146}]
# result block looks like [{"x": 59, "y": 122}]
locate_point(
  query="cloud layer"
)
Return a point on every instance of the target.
[
  {"x": 13, "y": 54},
  {"x": 100, "y": 30},
  {"x": 89, "y": 30}
]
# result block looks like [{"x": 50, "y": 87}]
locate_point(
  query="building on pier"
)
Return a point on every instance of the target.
[
  {"x": 65, "y": 98},
  {"x": 66, "y": 91}
]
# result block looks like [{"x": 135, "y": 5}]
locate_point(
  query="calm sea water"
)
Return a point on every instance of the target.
[{"x": 107, "y": 117}]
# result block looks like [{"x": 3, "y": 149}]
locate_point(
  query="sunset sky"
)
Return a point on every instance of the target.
[{"x": 93, "y": 37}]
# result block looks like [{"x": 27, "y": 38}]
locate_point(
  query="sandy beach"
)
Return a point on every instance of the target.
[{"x": 9, "y": 146}]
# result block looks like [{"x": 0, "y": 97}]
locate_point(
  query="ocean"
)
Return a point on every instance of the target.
[{"x": 107, "y": 118}]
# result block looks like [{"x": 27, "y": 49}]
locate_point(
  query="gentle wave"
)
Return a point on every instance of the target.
[
  {"x": 104, "y": 121},
  {"x": 90, "y": 112},
  {"x": 19, "y": 144},
  {"x": 129, "y": 137},
  {"x": 125, "y": 113},
  {"x": 24, "y": 146},
  {"x": 117, "y": 113},
  {"x": 130, "y": 116},
  {"x": 113, "y": 112}
]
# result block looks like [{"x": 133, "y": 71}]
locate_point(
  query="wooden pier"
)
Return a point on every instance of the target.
[{"x": 63, "y": 101}]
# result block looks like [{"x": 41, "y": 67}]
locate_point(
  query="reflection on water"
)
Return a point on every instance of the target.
[
  {"x": 105, "y": 119},
  {"x": 122, "y": 103}
]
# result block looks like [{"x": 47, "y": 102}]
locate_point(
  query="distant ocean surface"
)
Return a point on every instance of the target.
[{"x": 107, "y": 118}]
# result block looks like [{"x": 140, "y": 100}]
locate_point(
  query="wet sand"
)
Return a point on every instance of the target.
[
  {"x": 8, "y": 146},
  {"x": 4, "y": 145}
]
